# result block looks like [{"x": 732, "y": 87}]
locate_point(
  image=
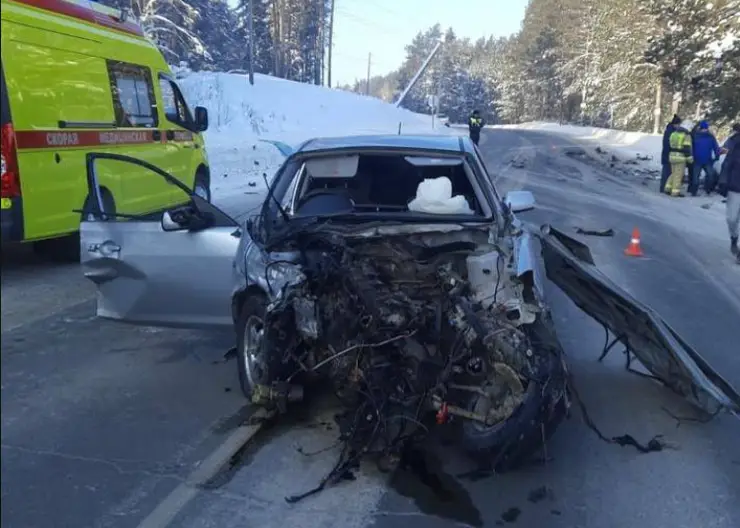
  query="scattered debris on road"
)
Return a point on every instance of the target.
[
  {"x": 511, "y": 515},
  {"x": 595, "y": 232},
  {"x": 540, "y": 494},
  {"x": 575, "y": 152},
  {"x": 518, "y": 161}
]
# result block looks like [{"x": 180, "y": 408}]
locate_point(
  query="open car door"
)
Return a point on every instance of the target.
[
  {"x": 569, "y": 264},
  {"x": 171, "y": 268}
]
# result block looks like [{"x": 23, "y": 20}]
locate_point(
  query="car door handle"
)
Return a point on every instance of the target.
[
  {"x": 156, "y": 135},
  {"x": 106, "y": 249},
  {"x": 170, "y": 134}
]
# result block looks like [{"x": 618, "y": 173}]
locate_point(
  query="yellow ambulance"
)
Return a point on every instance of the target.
[{"x": 79, "y": 77}]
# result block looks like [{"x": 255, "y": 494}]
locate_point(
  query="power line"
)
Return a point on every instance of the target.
[
  {"x": 364, "y": 21},
  {"x": 350, "y": 56},
  {"x": 387, "y": 10}
]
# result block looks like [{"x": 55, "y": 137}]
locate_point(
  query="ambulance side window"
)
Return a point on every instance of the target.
[
  {"x": 133, "y": 95},
  {"x": 175, "y": 108}
]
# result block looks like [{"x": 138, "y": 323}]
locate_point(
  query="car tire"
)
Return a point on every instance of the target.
[
  {"x": 109, "y": 204},
  {"x": 201, "y": 187},
  {"x": 256, "y": 363},
  {"x": 67, "y": 248},
  {"x": 511, "y": 443}
]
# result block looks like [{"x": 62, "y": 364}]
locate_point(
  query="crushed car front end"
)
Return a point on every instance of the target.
[
  {"x": 417, "y": 325},
  {"x": 423, "y": 312}
]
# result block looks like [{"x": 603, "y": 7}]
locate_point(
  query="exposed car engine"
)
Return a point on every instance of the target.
[{"x": 410, "y": 328}]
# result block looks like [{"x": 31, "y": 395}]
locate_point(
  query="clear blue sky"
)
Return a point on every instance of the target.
[{"x": 385, "y": 27}]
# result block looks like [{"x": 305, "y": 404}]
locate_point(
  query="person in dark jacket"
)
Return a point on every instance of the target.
[
  {"x": 729, "y": 186},
  {"x": 690, "y": 166},
  {"x": 706, "y": 150},
  {"x": 475, "y": 124},
  {"x": 734, "y": 138},
  {"x": 664, "y": 154}
]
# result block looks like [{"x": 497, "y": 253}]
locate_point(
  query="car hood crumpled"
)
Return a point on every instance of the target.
[{"x": 569, "y": 264}]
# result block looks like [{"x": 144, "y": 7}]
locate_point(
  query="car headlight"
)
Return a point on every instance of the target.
[{"x": 281, "y": 273}]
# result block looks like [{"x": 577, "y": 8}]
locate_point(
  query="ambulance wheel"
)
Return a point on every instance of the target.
[
  {"x": 201, "y": 187},
  {"x": 62, "y": 249},
  {"x": 67, "y": 248}
]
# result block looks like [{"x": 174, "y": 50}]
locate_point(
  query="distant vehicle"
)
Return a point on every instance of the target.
[
  {"x": 78, "y": 76},
  {"x": 385, "y": 260}
]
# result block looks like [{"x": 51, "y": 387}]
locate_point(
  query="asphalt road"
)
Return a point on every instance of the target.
[{"x": 100, "y": 422}]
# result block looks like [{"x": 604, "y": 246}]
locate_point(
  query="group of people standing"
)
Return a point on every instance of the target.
[
  {"x": 692, "y": 147},
  {"x": 695, "y": 148},
  {"x": 686, "y": 145}
]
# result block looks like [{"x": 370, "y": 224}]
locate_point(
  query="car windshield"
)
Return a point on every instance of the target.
[{"x": 382, "y": 184}]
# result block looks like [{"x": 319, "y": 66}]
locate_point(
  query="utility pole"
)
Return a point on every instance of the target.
[
  {"x": 250, "y": 24},
  {"x": 412, "y": 82},
  {"x": 658, "y": 110},
  {"x": 331, "y": 43},
  {"x": 367, "y": 84}
]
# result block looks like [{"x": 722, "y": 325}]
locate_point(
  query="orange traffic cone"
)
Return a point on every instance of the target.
[{"x": 634, "y": 249}]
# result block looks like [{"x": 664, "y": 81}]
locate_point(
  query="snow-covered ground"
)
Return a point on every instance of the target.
[{"x": 244, "y": 118}]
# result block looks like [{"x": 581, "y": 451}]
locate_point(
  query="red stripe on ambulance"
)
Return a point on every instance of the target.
[{"x": 27, "y": 139}]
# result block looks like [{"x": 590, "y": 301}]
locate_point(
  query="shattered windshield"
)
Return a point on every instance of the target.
[{"x": 387, "y": 184}]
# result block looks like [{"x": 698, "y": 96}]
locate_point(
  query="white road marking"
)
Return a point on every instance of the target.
[{"x": 174, "y": 503}]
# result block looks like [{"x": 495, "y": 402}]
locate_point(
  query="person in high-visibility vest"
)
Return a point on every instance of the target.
[
  {"x": 679, "y": 156},
  {"x": 475, "y": 124}
]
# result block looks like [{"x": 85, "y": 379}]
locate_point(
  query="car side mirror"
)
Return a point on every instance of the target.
[
  {"x": 170, "y": 224},
  {"x": 201, "y": 118},
  {"x": 519, "y": 201}
]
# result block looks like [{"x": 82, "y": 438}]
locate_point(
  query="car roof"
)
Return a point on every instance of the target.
[{"x": 452, "y": 144}]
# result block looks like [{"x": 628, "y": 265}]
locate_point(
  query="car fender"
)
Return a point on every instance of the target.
[
  {"x": 269, "y": 273},
  {"x": 525, "y": 255}
]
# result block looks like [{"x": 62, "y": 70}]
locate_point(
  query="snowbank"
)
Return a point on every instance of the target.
[{"x": 244, "y": 117}]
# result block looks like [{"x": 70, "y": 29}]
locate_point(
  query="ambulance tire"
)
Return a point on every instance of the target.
[{"x": 201, "y": 186}]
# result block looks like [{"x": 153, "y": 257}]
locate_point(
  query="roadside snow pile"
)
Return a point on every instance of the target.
[{"x": 243, "y": 117}]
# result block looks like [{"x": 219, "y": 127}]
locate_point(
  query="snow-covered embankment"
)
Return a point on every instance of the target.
[{"x": 241, "y": 115}]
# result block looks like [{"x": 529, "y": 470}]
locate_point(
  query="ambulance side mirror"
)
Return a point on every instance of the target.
[{"x": 201, "y": 119}]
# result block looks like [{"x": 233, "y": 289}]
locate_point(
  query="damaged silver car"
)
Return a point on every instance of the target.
[{"x": 389, "y": 267}]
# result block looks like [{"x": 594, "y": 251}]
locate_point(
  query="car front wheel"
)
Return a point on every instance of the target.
[{"x": 256, "y": 363}]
